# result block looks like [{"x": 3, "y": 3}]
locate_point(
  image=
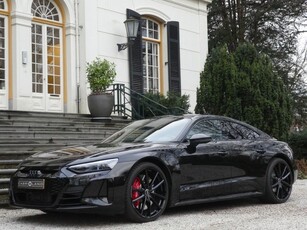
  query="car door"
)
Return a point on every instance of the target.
[
  {"x": 245, "y": 150},
  {"x": 206, "y": 172}
]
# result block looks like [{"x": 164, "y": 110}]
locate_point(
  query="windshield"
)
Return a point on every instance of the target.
[{"x": 164, "y": 129}]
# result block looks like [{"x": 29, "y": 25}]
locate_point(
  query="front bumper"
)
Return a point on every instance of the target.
[{"x": 74, "y": 194}]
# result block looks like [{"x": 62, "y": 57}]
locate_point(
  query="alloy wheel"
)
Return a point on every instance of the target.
[
  {"x": 281, "y": 181},
  {"x": 149, "y": 193}
]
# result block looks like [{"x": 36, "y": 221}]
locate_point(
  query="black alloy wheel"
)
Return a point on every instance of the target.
[
  {"x": 278, "y": 181},
  {"x": 147, "y": 193}
]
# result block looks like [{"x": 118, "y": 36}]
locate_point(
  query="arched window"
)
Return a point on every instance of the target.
[
  {"x": 45, "y": 9},
  {"x": 47, "y": 60},
  {"x": 151, "y": 41}
]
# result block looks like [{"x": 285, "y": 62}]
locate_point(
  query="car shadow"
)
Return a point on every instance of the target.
[
  {"x": 213, "y": 207},
  {"x": 79, "y": 220},
  {"x": 72, "y": 220}
]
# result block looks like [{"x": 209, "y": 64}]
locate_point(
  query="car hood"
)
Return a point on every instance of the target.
[{"x": 80, "y": 154}]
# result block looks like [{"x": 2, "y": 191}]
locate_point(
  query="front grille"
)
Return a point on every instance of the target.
[{"x": 46, "y": 197}]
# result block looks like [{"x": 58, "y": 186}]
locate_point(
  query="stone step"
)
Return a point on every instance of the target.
[
  {"x": 13, "y": 159},
  {"x": 80, "y": 129},
  {"x": 30, "y": 147},
  {"x": 53, "y": 134},
  {"x": 5, "y": 181},
  {"x": 25, "y": 133},
  {"x": 9, "y": 162},
  {"x": 52, "y": 140},
  {"x": 16, "y": 153},
  {"x": 7, "y": 171},
  {"x": 4, "y": 191},
  {"x": 34, "y": 116},
  {"x": 69, "y": 123}
]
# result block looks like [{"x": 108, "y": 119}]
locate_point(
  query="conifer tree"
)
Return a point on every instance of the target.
[{"x": 243, "y": 85}]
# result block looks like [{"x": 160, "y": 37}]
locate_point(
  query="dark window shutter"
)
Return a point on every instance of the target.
[
  {"x": 135, "y": 58},
  {"x": 173, "y": 44}
]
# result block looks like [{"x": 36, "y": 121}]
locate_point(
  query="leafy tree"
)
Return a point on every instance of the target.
[
  {"x": 298, "y": 87},
  {"x": 268, "y": 24},
  {"x": 244, "y": 86},
  {"x": 272, "y": 26}
]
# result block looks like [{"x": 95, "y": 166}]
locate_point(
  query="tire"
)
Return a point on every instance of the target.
[
  {"x": 147, "y": 193},
  {"x": 278, "y": 181}
]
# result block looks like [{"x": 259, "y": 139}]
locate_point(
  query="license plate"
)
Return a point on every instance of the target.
[{"x": 38, "y": 184}]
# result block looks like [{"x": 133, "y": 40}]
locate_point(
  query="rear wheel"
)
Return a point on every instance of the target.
[
  {"x": 278, "y": 181},
  {"x": 146, "y": 193}
]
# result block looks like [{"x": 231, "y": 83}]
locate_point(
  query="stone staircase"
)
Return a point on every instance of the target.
[{"x": 25, "y": 133}]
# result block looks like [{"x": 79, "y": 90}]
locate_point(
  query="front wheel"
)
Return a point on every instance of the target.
[
  {"x": 146, "y": 193},
  {"x": 278, "y": 181}
]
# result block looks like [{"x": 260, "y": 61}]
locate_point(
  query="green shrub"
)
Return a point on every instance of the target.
[
  {"x": 174, "y": 104},
  {"x": 100, "y": 75},
  {"x": 298, "y": 143}
]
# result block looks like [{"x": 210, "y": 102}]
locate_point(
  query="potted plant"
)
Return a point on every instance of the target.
[{"x": 100, "y": 75}]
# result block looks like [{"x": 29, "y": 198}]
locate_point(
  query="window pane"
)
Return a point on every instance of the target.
[
  {"x": 39, "y": 88},
  {"x": 2, "y": 22},
  {"x": 56, "y": 33},
  {"x": 39, "y": 78},
  {"x": 156, "y": 35},
  {"x": 2, "y": 43},
  {"x": 150, "y": 56},
  {"x": 49, "y": 32},
  {"x": 2, "y": 74},
  {"x": 57, "y": 80},
  {"x": 151, "y": 34},
  {"x": 2, "y": 53},
  {"x": 150, "y": 24},
  {"x": 2, "y": 84},
  {"x": 2, "y": 64},
  {"x": 57, "y": 90}
]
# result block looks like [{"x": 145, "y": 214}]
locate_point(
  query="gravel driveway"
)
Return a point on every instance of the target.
[{"x": 240, "y": 214}]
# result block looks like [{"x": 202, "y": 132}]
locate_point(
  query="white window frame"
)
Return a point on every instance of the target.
[{"x": 157, "y": 67}]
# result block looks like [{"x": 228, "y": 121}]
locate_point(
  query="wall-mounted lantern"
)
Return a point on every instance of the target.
[{"x": 132, "y": 27}]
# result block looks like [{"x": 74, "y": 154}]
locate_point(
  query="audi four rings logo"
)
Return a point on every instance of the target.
[{"x": 34, "y": 172}]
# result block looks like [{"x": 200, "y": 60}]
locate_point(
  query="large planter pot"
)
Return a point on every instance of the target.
[{"x": 100, "y": 105}]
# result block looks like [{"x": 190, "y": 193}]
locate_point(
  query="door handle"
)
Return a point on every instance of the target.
[{"x": 261, "y": 151}]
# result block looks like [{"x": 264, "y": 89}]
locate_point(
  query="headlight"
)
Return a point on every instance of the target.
[{"x": 104, "y": 165}]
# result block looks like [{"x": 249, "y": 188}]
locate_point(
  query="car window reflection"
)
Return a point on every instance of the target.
[{"x": 157, "y": 130}]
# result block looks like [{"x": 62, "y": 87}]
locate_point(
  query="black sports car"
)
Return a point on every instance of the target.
[{"x": 158, "y": 163}]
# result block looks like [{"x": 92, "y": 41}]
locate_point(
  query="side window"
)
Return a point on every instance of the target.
[
  {"x": 208, "y": 127},
  {"x": 247, "y": 133},
  {"x": 235, "y": 131}
]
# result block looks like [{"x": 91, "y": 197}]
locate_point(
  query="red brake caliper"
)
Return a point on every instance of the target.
[{"x": 135, "y": 194}]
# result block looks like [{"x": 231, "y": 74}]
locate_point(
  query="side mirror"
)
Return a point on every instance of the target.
[{"x": 197, "y": 139}]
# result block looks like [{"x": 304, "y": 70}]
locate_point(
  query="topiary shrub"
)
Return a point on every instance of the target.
[{"x": 100, "y": 75}]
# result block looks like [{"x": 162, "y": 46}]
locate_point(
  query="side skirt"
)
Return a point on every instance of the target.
[{"x": 219, "y": 198}]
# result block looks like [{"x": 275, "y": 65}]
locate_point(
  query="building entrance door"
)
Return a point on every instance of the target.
[{"x": 47, "y": 68}]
